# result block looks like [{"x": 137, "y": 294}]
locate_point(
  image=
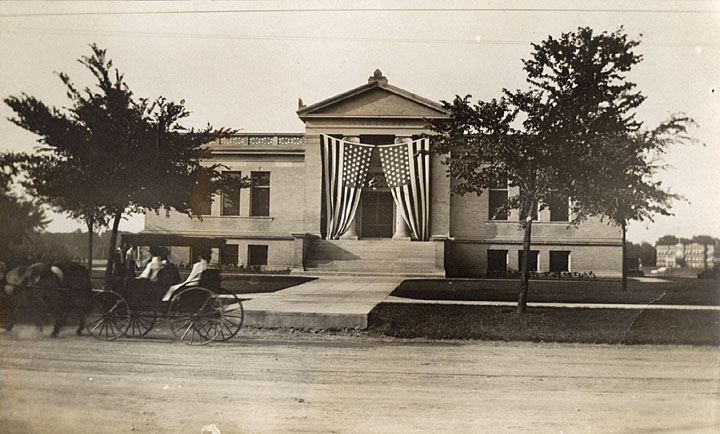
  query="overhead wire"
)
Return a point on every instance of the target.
[{"x": 357, "y": 10}]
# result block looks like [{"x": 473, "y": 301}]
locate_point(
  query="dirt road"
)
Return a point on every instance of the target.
[{"x": 283, "y": 382}]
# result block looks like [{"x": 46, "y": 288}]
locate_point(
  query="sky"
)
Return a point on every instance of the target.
[{"x": 244, "y": 64}]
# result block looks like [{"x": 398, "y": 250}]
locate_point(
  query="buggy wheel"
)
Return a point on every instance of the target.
[
  {"x": 110, "y": 316},
  {"x": 194, "y": 315},
  {"x": 232, "y": 315},
  {"x": 141, "y": 323}
]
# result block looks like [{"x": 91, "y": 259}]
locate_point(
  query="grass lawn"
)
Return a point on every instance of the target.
[
  {"x": 611, "y": 326},
  {"x": 584, "y": 325},
  {"x": 670, "y": 291},
  {"x": 249, "y": 283}
]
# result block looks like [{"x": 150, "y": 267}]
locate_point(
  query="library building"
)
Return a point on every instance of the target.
[{"x": 358, "y": 192}]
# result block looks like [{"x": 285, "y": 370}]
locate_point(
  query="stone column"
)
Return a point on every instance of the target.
[
  {"x": 351, "y": 233},
  {"x": 402, "y": 231}
]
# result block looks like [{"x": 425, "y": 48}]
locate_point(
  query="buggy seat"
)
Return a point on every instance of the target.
[{"x": 210, "y": 279}]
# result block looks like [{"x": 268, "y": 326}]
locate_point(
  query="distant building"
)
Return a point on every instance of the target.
[
  {"x": 358, "y": 192},
  {"x": 687, "y": 254}
]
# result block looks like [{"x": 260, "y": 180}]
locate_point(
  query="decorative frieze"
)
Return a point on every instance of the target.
[
  {"x": 290, "y": 140},
  {"x": 260, "y": 140},
  {"x": 235, "y": 140}
]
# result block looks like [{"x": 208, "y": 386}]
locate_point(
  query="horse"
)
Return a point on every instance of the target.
[{"x": 58, "y": 287}]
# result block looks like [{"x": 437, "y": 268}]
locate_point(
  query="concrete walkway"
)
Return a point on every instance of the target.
[
  {"x": 344, "y": 302},
  {"x": 325, "y": 303}
]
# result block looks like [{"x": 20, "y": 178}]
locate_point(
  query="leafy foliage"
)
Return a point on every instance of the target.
[
  {"x": 645, "y": 251},
  {"x": 548, "y": 139},
  {"x": 111, "y": 153},
  {"x": 573, "y": 133},
  {"x": 19, "y": 217}
]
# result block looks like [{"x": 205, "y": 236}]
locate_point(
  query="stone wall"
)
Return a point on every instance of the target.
[
  {"x": 593, "y": 245},
  {"x": 470, "y": 258},
  {"x": 286, "y": 203}
]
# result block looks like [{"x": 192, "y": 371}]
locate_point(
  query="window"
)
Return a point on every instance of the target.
[
  {"x": 559, "y": 261},
  {"x": 229, "y": 255},
  {"x": 202, "y": 206},
  {"x": 257, "y": 255},
  {"x": 497, "y": 260},
  {"x": 260, "y": 194},
  {"x": 523, "y": 212},
  {"x": 195, "y": 254},
  {"x": 560, "y": 209},
  {"x": 498, "y": 195},
  {"x": 231, "y": 197},
  {"x": 532, "y": 260},
  {"x": 200, "y": 200}
]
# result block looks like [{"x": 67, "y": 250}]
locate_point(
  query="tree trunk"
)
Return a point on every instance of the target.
[
  {"x": 525, "y": 272},
  {"x": 111, "y": 250},
  {"x": 90, "y": 246},
  {"x": 624, "y": 257}
]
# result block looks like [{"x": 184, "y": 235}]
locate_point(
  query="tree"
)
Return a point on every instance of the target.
[
  {"x": 57, "y": 181},
  {"x": 625, "y": 190},
  {"x": 705, "y": 239},
  {"x": 667, "y": 240},
  {"x": 645, "y": 251},
  {"x": 18, "y": 217},
  {"x": 132, "y": 153},
  {"x": 545, "y": 141}
]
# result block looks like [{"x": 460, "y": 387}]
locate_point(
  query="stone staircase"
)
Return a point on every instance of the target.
[{"x": 377, "y": 257}]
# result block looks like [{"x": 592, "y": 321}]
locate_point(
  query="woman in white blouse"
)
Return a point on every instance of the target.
[{"x": 194, "y": 278}]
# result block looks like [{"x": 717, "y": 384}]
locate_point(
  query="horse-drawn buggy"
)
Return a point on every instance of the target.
[{"x": 197, "y": 313}]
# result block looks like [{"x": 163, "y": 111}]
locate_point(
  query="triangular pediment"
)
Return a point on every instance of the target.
[{"x": 377, "y": 99}]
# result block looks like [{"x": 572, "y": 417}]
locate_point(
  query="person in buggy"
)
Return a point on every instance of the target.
[
  {"x": 195, "y": 274},
  {"x": 158, "y": 274}
]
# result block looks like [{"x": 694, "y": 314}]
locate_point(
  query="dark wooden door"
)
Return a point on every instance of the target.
[{"x": 377, "y": 214}]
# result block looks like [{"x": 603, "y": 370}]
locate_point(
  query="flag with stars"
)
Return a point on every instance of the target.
[
  {"x": 407, "y": 169},
  {"x": 345, "y": 167}
]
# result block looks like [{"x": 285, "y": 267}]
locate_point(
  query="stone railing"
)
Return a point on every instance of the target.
[{"x": 260, "y": 141}]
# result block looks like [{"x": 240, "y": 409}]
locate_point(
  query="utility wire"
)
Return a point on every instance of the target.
[{"x": 359, "y": 10}]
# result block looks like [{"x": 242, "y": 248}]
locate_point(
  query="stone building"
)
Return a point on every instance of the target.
[
  {"x": 687, "y": 254},
  {"x": 329, "y": 200}
]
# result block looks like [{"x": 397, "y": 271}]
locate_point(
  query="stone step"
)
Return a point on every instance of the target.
[
  {"x": 405, "y": 275},
  {"x": 391, "y": 271},
  {"x": 372, "y": 250},
  {"x": 383, "y": 257},
  {"x": 367, "y": 261},
  {"x": 373, "y": 266}
]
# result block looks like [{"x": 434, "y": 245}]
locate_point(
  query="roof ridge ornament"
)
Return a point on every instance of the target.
[{"x": 377, "y": 77}]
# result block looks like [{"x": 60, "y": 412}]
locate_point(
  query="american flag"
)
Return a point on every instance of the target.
[
  {"x": 407, "y": 170},
  {"x": 345, "y": 167}
]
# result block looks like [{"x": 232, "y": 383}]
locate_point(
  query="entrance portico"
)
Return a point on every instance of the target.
[
  {"x": 373, "y": 114},
  {"x": 376, "y": 114}
]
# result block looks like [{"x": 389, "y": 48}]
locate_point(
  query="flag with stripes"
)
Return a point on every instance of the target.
[
  {"x": 345, "y": 167},
  {"x": 407, "y": 171}
]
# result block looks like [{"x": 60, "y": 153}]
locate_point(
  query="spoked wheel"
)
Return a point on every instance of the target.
[
  {"x": 110, "y": 316},
  {"x": 141, "y": 323},
  {"x": 232, "y": 315},
  {"x": 195, "y": 315}
]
